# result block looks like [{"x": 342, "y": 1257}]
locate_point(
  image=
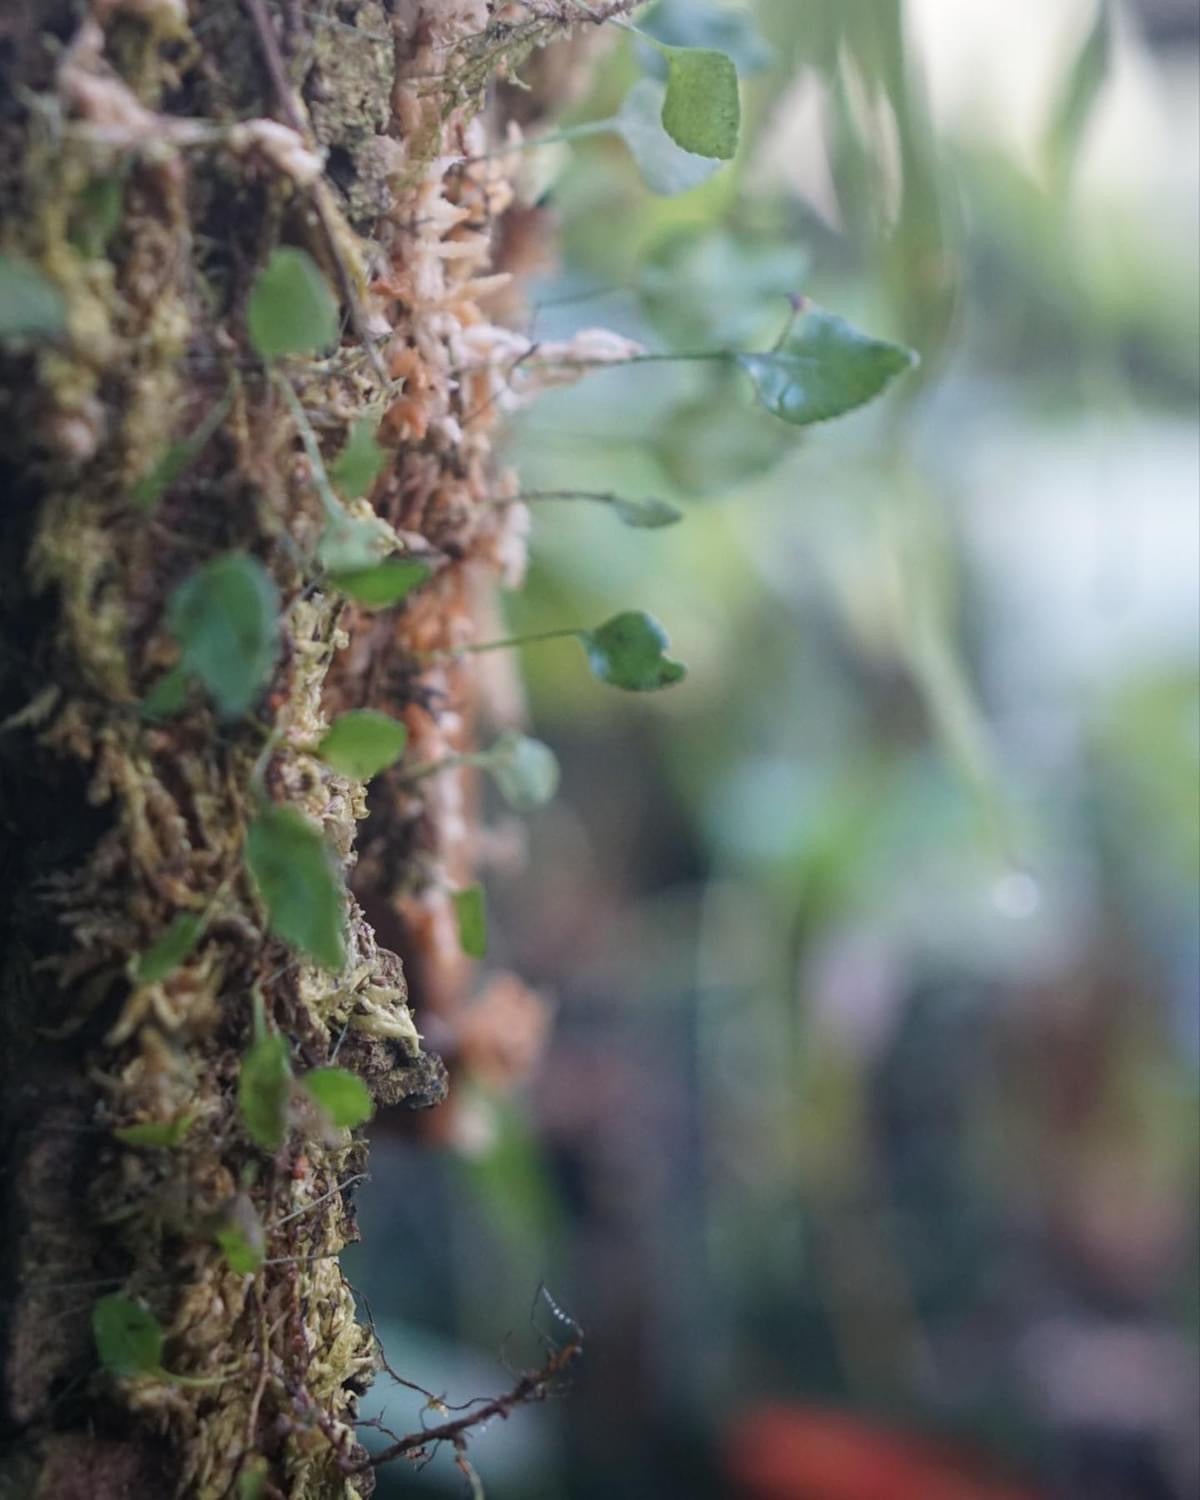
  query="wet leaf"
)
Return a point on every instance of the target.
[
  {"x": 264, "y": 1090},
  {"x": 128, "y": 1339},
  {"x": 666, "y": 168},
  {"x": 360, "y": 463},
  {"x": 290, "y": 309},
  {"x": 171, "y": 949},
  {"x": 362, "y": 743},
  {"x": 342, "y": 1095},
  {"x": 384, "y": 584},
  {"x": 702, "y": 110},
  {"x": 240, "y": 1236},
  {"x": 822, "y": 368},
  {"x": 629, "y": 651},
  {"x": 159, "y": 1133},
  {"x": 470, "y": 910},
  {"x": 299, "y": 884},
  {"x": 226, "y": 620},
  {"x": 31, "y": 306},
  {"x": 525, "y": 770}
]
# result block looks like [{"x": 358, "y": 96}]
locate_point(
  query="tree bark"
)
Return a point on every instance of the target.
[{"x": 151, "y": 158}]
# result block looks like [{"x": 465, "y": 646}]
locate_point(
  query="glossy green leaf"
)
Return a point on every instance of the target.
[
  {"x": 822, "y": 368},
  {"x": 384, "y": 584},
  {"x": 171, "y": 949},
  {"x": 470, "y": 911},
  {"x": 290, "y": 309},
  {"x": 360, "y": 463},
  {"x": 128, "y": 1339},
  {"x": 240, "y": 1236},
  {"x": 629, "y": 651},
  {"x": 167, "y": 697},
  {"x": 342, "y": 1095},
  {"x": 362, "y": 743},
  {"x": 264, "y": 1091},
  {"x": 158, "y": 1133},
  {"x": 31, "y": 306},
  {"x": 226, "y": 620},
  {"x": 702, "y": 110},
  {"x": 665, "y": 168},
  {"x": 710, "y": 24},
  {"x": 300, "y": 886},
  {"x": 525, "y": 770}
]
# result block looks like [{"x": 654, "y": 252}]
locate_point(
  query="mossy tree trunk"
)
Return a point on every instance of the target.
[{"x": 152, "y": 155}]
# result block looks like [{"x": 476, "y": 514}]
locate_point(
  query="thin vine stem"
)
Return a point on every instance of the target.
[{"x": 334, "y": 508}]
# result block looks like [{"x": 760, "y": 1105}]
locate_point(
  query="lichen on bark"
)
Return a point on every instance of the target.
[{"x": 151, "y": 157}]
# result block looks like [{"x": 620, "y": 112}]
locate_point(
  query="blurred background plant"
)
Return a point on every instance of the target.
[{"x": 864, "y": 1143}]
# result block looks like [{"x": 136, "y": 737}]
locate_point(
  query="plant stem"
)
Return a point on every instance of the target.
[
  {"x": 333, "y": 506},
  {"x": 601, "y": 496},
  {"x": 517, "y": 640},
  {"x": 531, "y": 143}
]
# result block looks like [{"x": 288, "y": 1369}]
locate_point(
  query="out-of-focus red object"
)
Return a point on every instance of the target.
[{"x": 782, "y": 1452}]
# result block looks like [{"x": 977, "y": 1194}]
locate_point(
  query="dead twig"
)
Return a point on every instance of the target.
[{"x": 532, "y": 1386}]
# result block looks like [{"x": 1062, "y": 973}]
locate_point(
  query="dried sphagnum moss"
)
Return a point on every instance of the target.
[{"x": 148, "y": 165}]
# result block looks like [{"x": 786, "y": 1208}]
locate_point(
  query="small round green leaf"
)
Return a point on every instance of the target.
[
  {"x": 240, "y": 1236},
  {"x": 702, "y": 111},
  {"x": 226, "y": 620},
  {"x": 629, "y": 651},
  {"x": 470, "y": 910},
  {"x": 822, "y": 368},
  {"x": 290, "y": 309},
  {"x": 666, "y": 168},
  {"x": 299, "y": 884},
  {"x": 171, "y": 949},
  {"x": 360, "y": 463},
  {"x": 383, "y": 585},
  {"x": 264, "y": 1090},
  {"x": 362, "y": 743},
  {"x": 31, "y": 306},
  {"x": 128, "y": 1339},
  {"x": 525, "y": 770},
  {"x": 163, "y": 1134},
  {"x": 341, "y": 1095}
]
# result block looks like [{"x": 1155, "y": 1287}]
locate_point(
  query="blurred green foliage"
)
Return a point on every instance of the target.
[{"x": 897, "y": 896}]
